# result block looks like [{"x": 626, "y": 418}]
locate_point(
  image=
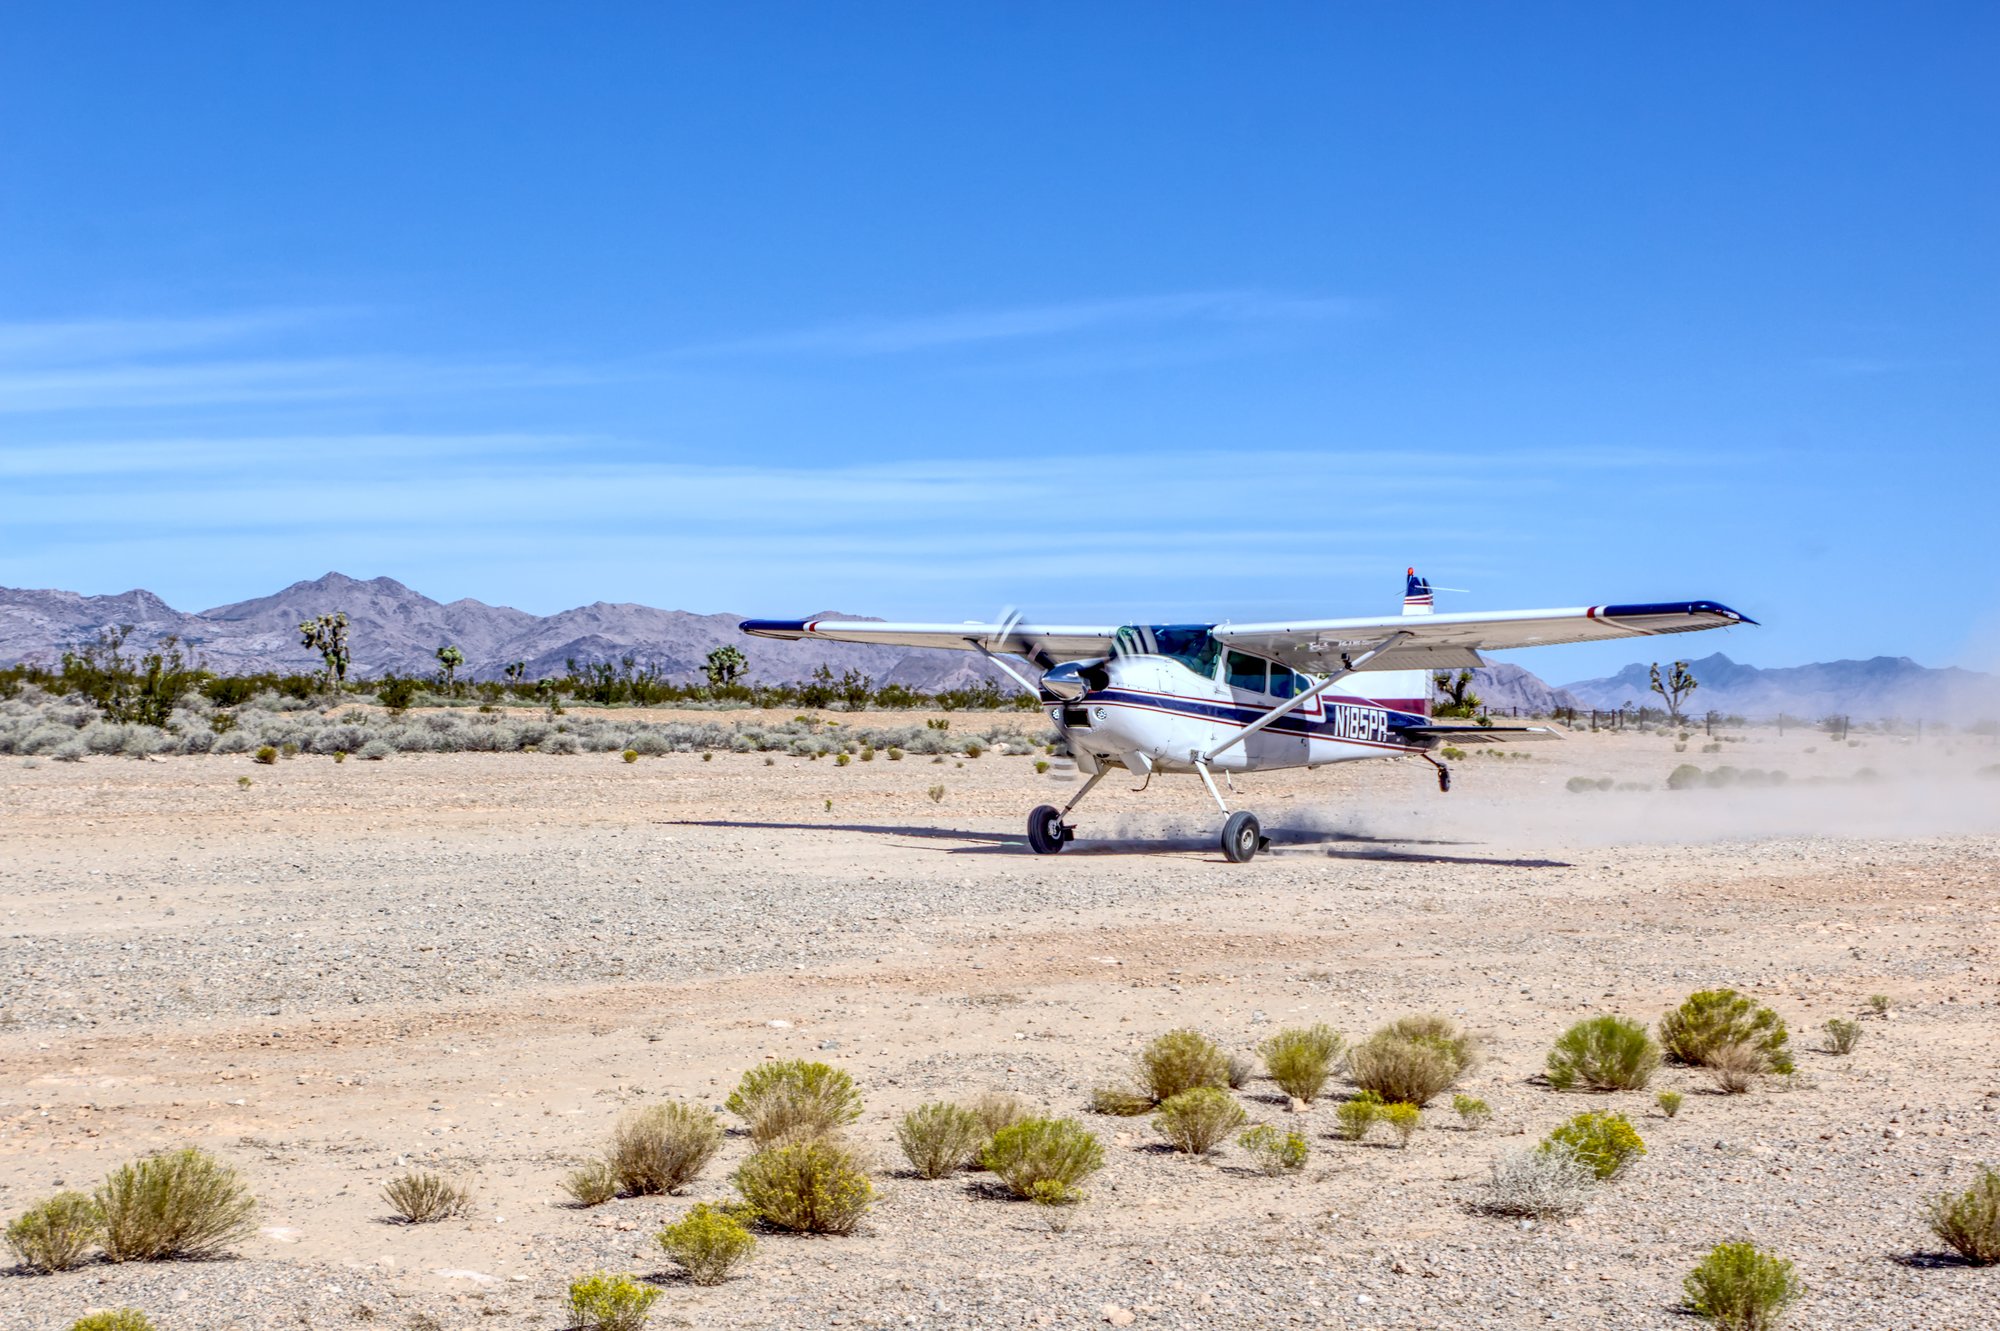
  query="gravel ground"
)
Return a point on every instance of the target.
[{"x": 474, "y": 961}]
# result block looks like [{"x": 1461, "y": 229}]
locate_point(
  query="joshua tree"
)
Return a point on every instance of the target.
[
  {"x": 1675, "y": 688},
  {"x": 725, "y": 666},
  {"x": 449, "y": 660},
  {"x": 1460, "y": 700},
  {"x": 514, "y": 671},
  {"x": 327, "y": 635}
]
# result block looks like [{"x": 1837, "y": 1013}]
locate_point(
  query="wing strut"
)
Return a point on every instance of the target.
[
  {"x": 984, "y": 651},
  {"x": 1348, "y": 665}
]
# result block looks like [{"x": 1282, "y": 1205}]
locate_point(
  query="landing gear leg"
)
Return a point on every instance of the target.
[
  {"x": 1242, "y": 836},
  {"x": 1444, "y": 773},
  {"x": 1047, "y": 832}
]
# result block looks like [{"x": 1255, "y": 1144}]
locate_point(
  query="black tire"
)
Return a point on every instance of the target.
[
  {"x": 1242, "y": 838},
  {"x": 1046, "y": 833}
]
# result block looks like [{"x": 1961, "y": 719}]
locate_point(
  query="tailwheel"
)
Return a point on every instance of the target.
[
  {"x": 1046, "y": 833},
  {"x": 1242, "y": 837}
]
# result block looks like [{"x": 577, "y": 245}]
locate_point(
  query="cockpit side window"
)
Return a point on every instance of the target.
[
  {"x": 1245, "y": 672},
  {"x": 1189, "y": 644}
]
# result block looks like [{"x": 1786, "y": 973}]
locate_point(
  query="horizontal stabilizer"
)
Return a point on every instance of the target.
[{"x": 1476, "y": 734}]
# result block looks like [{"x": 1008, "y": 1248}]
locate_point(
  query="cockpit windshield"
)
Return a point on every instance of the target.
[{"x": 1189, "y": 644}]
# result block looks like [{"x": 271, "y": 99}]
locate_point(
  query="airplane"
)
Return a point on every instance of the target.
[{"x": 1207, "y": 698}]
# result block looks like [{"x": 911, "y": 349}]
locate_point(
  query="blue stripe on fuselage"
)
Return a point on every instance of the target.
[{"x": 1239, "y": 714}]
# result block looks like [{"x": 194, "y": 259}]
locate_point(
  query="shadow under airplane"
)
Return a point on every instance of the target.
[{"x": 1334, "y": 845}]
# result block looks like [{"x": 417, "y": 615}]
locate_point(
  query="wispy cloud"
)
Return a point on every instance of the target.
[
  {"x": 74, "y": 341},
  {"x": 896, "y": 336}
]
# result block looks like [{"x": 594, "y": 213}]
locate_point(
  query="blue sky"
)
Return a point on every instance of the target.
[{"x": 1109, "y": 312}]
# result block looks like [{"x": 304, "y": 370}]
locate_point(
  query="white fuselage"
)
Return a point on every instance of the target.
[{"x": 1157, "y": 712}]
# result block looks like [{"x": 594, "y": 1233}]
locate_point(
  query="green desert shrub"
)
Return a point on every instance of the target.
[
  {"x": 183, "y": 1204},
  {"x": 1472, "y": 1111},
  {"x": 1181, "y": 1061},
  {"x": 1547, "y": 1184},
  {"x": 267, "y": 755},
  {"x": 708, "y": 1242},
  {"x": 591, "y": 1185},
  {"x": 1403, "y": 1120},
  {"x": 1177, "y": 1061},
  {"x": 1413, "y": 1060},
  {"x": 54, "y": 1235},
  {"x": 1274, "y": 1151},
  {"x": 1605, "y": 1143},
  {"x": 1741, "y": 1289},
  {"x": 1300, "y": 1059},
  {"x": 996, "y": 1110},
  {"x": 1842, "y": 1036},
  {"x": 1969, "y": 1221},
  {"x": 1057, "y": 1203},
  {"x": 1356, "y": 1116},
  {"x": 1716, "y": 1018},
  {"x": 1037, "y": 1150},
  {"x": 1603, "y": 1054},
  {"x": 794, "y": 1098},
  {"x": 113, "y": 1319},
  {"x": 1197, "y": 1121},
  {"x": 1669, "y": 1102},
  {"x": 630, "y": 755},
  {"x": 809, "y": 1186},
  {"x": 939, "y": 1139},
  {"x": 662, "y": 1148},
  {"x": 421, "y": 1197},
  {"x": 606, "y": 1302}
]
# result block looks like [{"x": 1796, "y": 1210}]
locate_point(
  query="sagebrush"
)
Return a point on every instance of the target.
[
  {"x": 1969, "y": 1221},
  {"x": 709, "y": 1242},
  {"x": 1714, "y": 1019},
  {"x": 810, "y": 1186},
  {"x": 421, "y": 1197},
  {"x": 1038, "y": 1150},
  {"x": 1546, "y": 1183},
  {"x": 662, "y": 1148},
  {"x": 1740, "y": 1288},
  {"x": 1603, "y": 1054},
  {"x": 113, "y": 1319},
  {"x": 55, "y": 1234},
  {"x": 1605, "y": 1143},
  {"x": 1275, "y": 1151},
  {"x": 184, "y": 1204},
  {"x": 603, "y": 1301},
  {"x": 1413, "y": 1060},
  {"x": 794, "y": 1098},
  {"x": 940, "y": 1139},
  {"x": 1198, "y": 1120},
  {"x": 1301, "y": 1059}
]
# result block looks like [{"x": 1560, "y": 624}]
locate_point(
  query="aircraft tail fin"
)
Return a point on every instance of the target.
[
  {"x": 1407, "y": 690},
  {"x": 1416, "y": 594}
]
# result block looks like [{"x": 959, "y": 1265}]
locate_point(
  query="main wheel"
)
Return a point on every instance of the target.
[
  {"x": 1241, "y": 837},
  {"x": 1046, "y": 833}
]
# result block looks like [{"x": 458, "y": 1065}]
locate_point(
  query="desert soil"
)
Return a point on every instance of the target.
[{"x": 476, "y": 962}]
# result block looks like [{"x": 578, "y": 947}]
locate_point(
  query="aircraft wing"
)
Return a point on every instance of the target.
[
  {"x": 1446, "y": 641},
  {"x": 1039, "y": 642}
]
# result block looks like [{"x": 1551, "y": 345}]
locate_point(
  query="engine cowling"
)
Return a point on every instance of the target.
[{"x": 1072, "y": 680}]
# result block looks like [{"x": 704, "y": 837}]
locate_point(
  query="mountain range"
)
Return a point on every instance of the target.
[
  {"x": 395, "y": 628},
  {"x": 1882, "y": 686}
]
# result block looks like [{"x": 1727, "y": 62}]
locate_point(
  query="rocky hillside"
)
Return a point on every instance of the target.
[
  {"x": 1884, "y": 686},
  {"x": 395, "y": 628}
]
